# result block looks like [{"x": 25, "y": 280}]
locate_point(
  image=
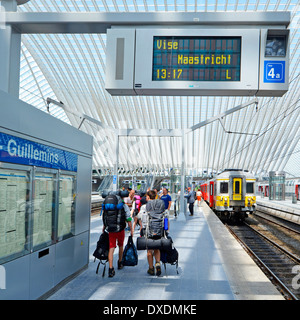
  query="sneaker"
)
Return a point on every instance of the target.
[
  {"x": 158, "y": 269},
  {"x": 120, "y": 265},
  {"x": 111, "y": 272},
  {"x": 151, "y": 271}
]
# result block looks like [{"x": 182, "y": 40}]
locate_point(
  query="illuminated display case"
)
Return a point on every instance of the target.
[
  {"x": 196, "y": 58},
  {"x": 14, "y": 212},
  {"x": 66, "y": 205},
  {"x": 196, "y": 61},
  {"x": 44, "y": 192}
]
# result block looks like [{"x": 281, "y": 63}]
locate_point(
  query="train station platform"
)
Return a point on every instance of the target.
[
  {"x": 212, "y": 266},
  {"x": 283, "y": 209}
]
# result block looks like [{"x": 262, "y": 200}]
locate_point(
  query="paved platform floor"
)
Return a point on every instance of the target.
[{"x": 212, "y": 265}]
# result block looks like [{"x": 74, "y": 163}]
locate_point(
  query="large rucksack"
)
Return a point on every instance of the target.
[
  {"x": 101, "y": 251},
  {"x": 155, "y": 210},
  {"x": 113, "y": 213}
]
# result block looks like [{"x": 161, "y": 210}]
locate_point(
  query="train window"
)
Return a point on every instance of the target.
[
  {"x": 249, "y": 187},
  {"x": 224, "y": 187},
  {"x": 237, "y": 186}
]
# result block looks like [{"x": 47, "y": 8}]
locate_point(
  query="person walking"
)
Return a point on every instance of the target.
[
  {"x": 199, "y": 196},
  {"x": 115, "y": 215},
  {"x": 191, "y": 200},
  {"x": 154, "y": 205}
]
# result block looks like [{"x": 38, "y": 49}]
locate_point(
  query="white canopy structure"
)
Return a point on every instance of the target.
[{"x": 70, "y": 69}]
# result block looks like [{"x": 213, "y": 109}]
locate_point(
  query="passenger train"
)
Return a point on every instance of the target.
[
  {"x": 292, "y": 187},
  {"x": 231, "y": 194}
]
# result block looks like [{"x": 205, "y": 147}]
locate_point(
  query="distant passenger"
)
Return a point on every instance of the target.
[
  {"x": 199, "y": 196},
  {"x": 191, "y": 200},
  {"x": 142, "y": 215},
  {"x": 135, "y": 210},
  {"x": 156, "y": 192},
  {"x": 129, "y": 200},
  {"x": 166, "y": 199}
]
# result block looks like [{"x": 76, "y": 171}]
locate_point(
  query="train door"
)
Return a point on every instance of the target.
[
  {"x": 211, "y": 193},
  {"x": 266, "y": 191},
  {"x": 237, "y": 189}
]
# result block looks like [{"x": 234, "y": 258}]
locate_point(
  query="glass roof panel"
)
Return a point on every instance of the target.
[{"x": 71, "y": 69}]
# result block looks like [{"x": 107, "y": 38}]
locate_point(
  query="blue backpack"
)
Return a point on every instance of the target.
[{"x": 130, "y": 255}]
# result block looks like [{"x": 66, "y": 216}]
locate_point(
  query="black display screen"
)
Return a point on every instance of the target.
[{"x": 181, "y": 58}]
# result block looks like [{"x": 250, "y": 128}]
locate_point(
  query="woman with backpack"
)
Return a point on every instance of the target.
[{"x": 136, "y": 206}]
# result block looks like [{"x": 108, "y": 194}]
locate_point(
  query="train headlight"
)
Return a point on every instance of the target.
[
  {"x": 247, "y": 201},
  {"x": 226, "y": 202}
]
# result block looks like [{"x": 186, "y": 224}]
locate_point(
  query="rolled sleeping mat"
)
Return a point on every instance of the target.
[
  {"x": 143, "y": 244},
  {"x": 153, "y": 244}
]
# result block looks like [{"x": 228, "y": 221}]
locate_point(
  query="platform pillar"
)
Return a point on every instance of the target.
[
  {"x": 10, "y": 50},
  {"x": 182, "y": 206}
]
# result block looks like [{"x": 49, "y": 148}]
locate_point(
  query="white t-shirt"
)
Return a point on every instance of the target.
[{"x": 143, "y": 215}]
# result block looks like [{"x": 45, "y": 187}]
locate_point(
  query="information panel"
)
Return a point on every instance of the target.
[
  {"x": 14, "y": 192},
  {"x": 66, "y": 206},
  {"x": 44, "y": 204},
  {"x": 21, "y": 151},
  {"x": 196, "y": 58}
]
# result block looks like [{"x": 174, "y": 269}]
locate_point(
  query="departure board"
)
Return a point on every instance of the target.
[
  {"x": 66, "y": 206},
  {"x": 180, "y": 58},
  {"x": 14, "y": 186},
  {"x": 44, "y": 187}
]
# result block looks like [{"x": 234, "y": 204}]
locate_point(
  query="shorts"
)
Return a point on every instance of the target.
[
  {"x": 114, "y": 236},
  {"x": 199, "y": 198},
  {"x": 135, "y": 213}
]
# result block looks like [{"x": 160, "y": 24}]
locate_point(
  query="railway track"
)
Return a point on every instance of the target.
[
  {"x": 281, "y": 267},
  {"x": 294, "y": 227}
]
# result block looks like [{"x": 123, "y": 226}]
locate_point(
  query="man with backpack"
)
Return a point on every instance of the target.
[
  {"x": 155, "y": 209},
  {"x": 115, "y": 215}
]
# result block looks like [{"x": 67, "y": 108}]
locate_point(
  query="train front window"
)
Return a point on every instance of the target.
[
  {"x": 224, "y": 187},
  {"x": 249, "y": 187}
]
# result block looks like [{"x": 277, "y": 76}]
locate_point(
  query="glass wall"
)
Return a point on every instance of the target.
[
  {"x": 277, "y": 185},
  {"x": 66, "y": 206},
  {"x": 44, "y": 191},
  {"x": 37, "y": 208},
  {"x": 14, "y": 210}
]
